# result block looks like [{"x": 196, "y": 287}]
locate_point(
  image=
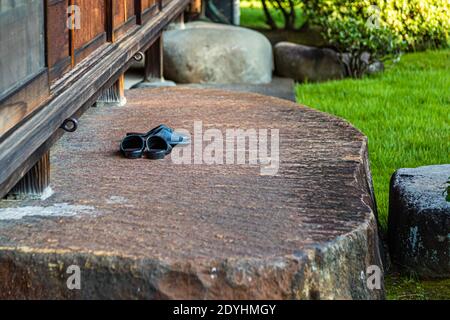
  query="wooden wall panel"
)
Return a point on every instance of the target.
[
  {"x": 119, "y": 14},
  {"x": 22, "y": 103},
  {"x": 58, "y": 49},
  {"x": 93, "y": 28},
  {"x": 124, "y": 17},
  {"x": 92, "y": 21},
  {"x": 131, "y": 10},
  {"x": 148, "y": 4}
]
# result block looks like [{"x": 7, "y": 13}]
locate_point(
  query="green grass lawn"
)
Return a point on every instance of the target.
[{"x": 405, "y": 113}]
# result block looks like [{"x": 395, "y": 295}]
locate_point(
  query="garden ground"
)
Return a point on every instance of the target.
[{"x": 405, "y": 114}]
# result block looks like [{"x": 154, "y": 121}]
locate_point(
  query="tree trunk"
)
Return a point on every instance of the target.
[{"x": 269, "y": 19}]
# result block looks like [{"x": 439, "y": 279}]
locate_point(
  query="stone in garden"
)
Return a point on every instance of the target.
[
  {"x": 372, "y": 68},
  {"x": 419, "y": 221},
  {"x": 214, "y": 53},
  {"x": 303, "y": 63},
  {"x": 153, "y": 84},
  {"x": 146, "y": 229},
  {"x": 375, "y": 67}
]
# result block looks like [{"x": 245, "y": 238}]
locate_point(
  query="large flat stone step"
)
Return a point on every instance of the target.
[{"x": 155, "y": 229}]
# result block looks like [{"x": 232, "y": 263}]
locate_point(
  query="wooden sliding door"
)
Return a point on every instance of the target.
[
  {"x": 22, "y": 60},
  {"x": 88, "y": 31}
]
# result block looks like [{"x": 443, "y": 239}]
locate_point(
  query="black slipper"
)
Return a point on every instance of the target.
[
  {"x": 157, "y": 148},
  {"x": 167, "y": 133},
  {"x": 133, "y": 146}
]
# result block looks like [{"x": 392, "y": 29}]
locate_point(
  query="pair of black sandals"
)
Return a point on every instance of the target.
[{"x": 155, "y": 144}]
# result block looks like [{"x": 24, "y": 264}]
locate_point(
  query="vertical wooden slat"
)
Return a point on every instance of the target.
[
  {"x": 125, "y": 11},
  {"x": 196, "y": 6},
  {"x": 120, "y": 84}
]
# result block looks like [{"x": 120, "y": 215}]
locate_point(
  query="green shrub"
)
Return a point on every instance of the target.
[
  {"x": 369, "y": 30},
  {"x": 419, "y": 23},
  {"x": 359, "y": 45}
]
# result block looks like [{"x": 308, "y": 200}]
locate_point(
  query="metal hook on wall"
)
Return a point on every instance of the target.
[
  {"x": 139, "y": 56},
  {"x": 70, "y": 125}
]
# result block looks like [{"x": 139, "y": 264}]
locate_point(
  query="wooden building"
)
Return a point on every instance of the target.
[{"x": 57, "y": 57}]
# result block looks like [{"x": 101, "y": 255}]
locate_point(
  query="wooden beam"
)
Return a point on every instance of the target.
[
  {"x": 154, "y": 61},
  {"x": 78, "y": 89},
  {"x": 35, "y": 182},
  {"x": 113, "y": 96}
]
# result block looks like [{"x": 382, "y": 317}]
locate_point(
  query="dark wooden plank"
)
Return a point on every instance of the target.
[
  {"x": 145, "y": 10},
  {"x": 149, "y": 13},
  {"x": 57, "y": 70},
  {"x": 124, "y": 28},
  {"x": 21, "y": 103},
  {"x": 77, "y": 90},
  {"x": 83, "y": 52},
  {"x": 164, "y": 3}
]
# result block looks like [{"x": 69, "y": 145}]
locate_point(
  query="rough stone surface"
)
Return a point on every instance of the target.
[
  {"x": 419, "y": 221},
  {"x": 372, "y": 68},
  {"x": 303, "y": 63},
  {"x": 283, "y": 88},
  {"x": 214, "y": 53},
  {"x": 375, "y": 67},
  {"x": 156, "y": 230}
]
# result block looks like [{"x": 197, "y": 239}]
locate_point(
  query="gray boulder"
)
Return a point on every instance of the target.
[
  {"x": 375, "y": 67},
  {"x": 214, "y": 53},
  {"x": 303, "y": 63},
  {"x": 419, "y": 221}
]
